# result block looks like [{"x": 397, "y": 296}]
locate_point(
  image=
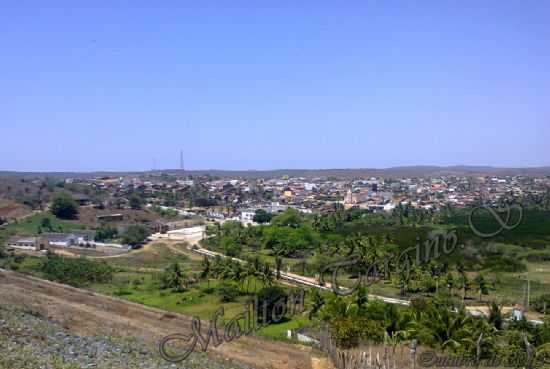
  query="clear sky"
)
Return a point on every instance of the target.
[{"x": 273, "y": 84}]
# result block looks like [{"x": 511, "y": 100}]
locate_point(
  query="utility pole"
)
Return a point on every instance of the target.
[{"x": 528, "y": 292}]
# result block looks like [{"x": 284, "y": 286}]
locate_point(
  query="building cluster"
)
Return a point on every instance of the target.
[
  {"x": 45, "y": 241},
  {"x": 215, "y": 198},
  {"x": 183, "y": 201}
]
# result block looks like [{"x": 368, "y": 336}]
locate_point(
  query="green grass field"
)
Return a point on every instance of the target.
[{"x": 31, "y": 225}]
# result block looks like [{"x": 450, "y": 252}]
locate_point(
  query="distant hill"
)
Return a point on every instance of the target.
[{"x": 405, "y": 171}]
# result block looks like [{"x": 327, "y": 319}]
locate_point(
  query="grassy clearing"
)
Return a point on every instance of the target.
[{"x": 32, "y": 225}]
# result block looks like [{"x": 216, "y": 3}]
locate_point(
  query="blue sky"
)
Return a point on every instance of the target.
[{"x": 273, "y": 84}]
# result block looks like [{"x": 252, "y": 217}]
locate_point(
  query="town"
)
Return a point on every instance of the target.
[{"x": 176, "y": 201}]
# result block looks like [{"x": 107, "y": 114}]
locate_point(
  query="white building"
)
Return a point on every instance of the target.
[{"x": 247, "y": 215}]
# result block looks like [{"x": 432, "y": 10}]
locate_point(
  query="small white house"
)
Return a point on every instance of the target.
[{"x": 247, "y": 215}]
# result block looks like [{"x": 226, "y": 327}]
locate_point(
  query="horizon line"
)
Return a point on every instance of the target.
[{"x": 462, "y": 166}]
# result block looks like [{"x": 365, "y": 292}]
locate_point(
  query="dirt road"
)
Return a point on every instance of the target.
[{"x": 88, "y": 313}]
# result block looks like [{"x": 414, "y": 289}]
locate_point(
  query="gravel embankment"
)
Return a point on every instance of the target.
[{"x": 29, "y": 341}]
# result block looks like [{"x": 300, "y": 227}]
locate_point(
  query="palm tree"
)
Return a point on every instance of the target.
[
  {"x": 450, "y": 282},
  {"x": 246, "y": 275},
  {"x": 444, "y": 327},
  {"x": 174, "y": 277},
  {"x": 236, "y": 271},
  {"x": 463, "y": 280},
  {"x": 206, "y": 269},
  {"x": 482, "y": 286},
  {"x": 253, "y": 271},
  {"x": 317, "y": 301},
  {"x": 435, "y": 268},
  {"x": 495, "y": 315},
  {"x": 266, "y": 275}
]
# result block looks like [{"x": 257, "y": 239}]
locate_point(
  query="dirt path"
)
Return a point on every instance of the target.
[{"x": 88, "y": 313}]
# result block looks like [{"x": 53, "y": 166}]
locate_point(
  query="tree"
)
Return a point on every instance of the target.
[
  {"x": 290, "y": 218},
  {"x": 266, "y": 275},
  {"x": 261, "y": 216},
  {"x": 64, "y": 206},
  {"x": 105, "y": 233},
  {"x": 135, "y": 235},
  {"x": 135, "y": 200}
]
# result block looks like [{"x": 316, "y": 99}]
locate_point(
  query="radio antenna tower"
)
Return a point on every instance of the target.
[{"x": 182, "y": 167}]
